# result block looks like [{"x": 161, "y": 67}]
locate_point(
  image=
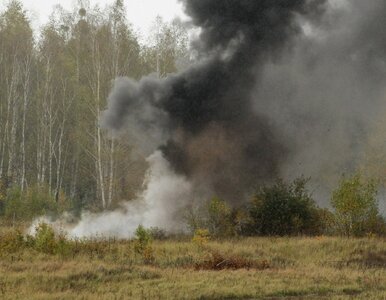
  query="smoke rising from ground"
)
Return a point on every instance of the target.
[
  {"x": 282, "y": 88},
  {"x": 203, "y": 119},
  {"x": 157, "y": 206}
]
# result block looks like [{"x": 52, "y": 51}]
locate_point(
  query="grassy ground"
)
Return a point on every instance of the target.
[{"x": 276, "y": 268}]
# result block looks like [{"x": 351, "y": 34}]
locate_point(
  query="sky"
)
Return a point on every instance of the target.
[{"x": 141, "y": 13}]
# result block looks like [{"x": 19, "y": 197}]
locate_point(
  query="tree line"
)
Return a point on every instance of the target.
[
  {"x": 54, "y": 83},
  {"x": 54, "y": 156},
  {"x": 289, "y": 209}
]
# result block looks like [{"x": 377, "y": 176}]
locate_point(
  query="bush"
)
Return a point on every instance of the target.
[
  {"x": 220, "y": 218},
  {"x": 143, "y": 244},
  {"x": 356, "y": 206},
  {"x": 216, "y": 216},
  {"x": 48, "y": 242},
  {"x": 31, "y": 203},
  {"x": 194, "y": 218},
  {"x": 11, "y": 242},
  {"x": 45, "y": 240},
  {"x": 157, "y": 233},
  {"x": 14, "y": 208},
  {"x": 201, "y": 237},
  {"x": 324, "y": 223},
  {"x": 283, "y": 209}
]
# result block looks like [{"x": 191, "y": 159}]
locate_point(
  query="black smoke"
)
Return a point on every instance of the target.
[
  {"x": 328, "y": 96},
  {"x": 204, "y": 119}
]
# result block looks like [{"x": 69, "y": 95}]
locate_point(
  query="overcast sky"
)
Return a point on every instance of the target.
[{"x": 141, "y": 13}]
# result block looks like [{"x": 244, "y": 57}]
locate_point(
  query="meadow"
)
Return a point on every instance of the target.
[{"x": 179, "y": 268}]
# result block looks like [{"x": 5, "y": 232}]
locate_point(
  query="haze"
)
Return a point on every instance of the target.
[{"x": 141, "y": 13}]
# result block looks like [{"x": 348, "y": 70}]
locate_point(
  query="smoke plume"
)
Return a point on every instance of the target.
[
  {"x": 281, "y": 88},
  {"x": 203, "y": 119},
  {"x": 157, "y": 206},
  {"x": 327, "y": 94}
]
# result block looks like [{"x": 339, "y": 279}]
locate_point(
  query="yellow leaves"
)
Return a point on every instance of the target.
[{"x": 201, "y": 237}]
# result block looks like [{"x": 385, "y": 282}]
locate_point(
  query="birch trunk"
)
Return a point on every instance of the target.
[{"x": 26, "y": 88}]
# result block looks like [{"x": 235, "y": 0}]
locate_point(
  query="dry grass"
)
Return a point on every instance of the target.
[
  {"x": 253, "y": 268},
  {"x": 217, "y": 261}
]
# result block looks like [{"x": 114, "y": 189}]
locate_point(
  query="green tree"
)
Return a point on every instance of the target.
[
  {"x": 16, "y": 61},
  {"x": 215, "y": 216},
  {"x": 52, "y": 92},
  {"x": 283, "y": 209},
  {"x": 219, "y": 220},
  {"x": 143, "y": 244},
  {"x": 355, "y": 204}
]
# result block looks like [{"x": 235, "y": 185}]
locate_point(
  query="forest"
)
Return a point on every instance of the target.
[
  {"x": 54, "y": 83},
  {"x": 90, "y": 193},
  {"x": 55, "y": 157}
]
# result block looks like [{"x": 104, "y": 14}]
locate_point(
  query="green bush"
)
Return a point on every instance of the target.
[
  {"x": 14, "y": 208},
  {"x": 283, "y": 209},
  {"x": 356, "y": 206},
  {"x": 48, "y": 242},
  {"x": 143, "y": 244},
  {"x": 216, "y": 216},
  {"x": 11, "y": 242},
  {"x": 45, "y": 240},
  {"x": 220, "y": 218},
  {"x": 325, "y": 222},
  {"x": 64, "y": 247},
  {"x": 31, "y": 203}
]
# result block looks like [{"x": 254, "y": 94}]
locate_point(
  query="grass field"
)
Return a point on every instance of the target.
[{"x": 250, "y": 268}]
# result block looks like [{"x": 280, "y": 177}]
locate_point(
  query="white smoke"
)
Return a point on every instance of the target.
[{"x": 164, "y": 196}]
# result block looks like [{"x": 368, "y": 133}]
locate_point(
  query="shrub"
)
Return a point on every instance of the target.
[
  {"x": 201, "y": 237},
  {"x": 63, "y": 246},
  {"x": 195, "y": 218},
  {"x": 324, "y": 222},
  {"x": 220, "y": 218},
  {"x": 157, "y": 233},
  {"x": 45, "y": 241},
  {"x": 14, "y": 208},
  {"x": 143, "y": 244},
  {"x": 241, "y": 220},
  {"x": 11, "y": 242},
  {"x": 48, "y": 242},
  {"x": 356, "y": 206},
  {"x": 376, "y": 227},
  {"x": 283, "y": 209},
  {"x": 31, "y": 203},
  {"x": 216, "y": 216}
]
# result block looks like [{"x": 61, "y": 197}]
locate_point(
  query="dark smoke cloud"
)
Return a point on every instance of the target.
[
  {"x": 327, "y": 93},
  {"x": 204, "y": 119}
]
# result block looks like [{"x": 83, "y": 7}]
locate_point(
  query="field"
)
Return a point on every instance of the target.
[{"x": 248, "y": 268}]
